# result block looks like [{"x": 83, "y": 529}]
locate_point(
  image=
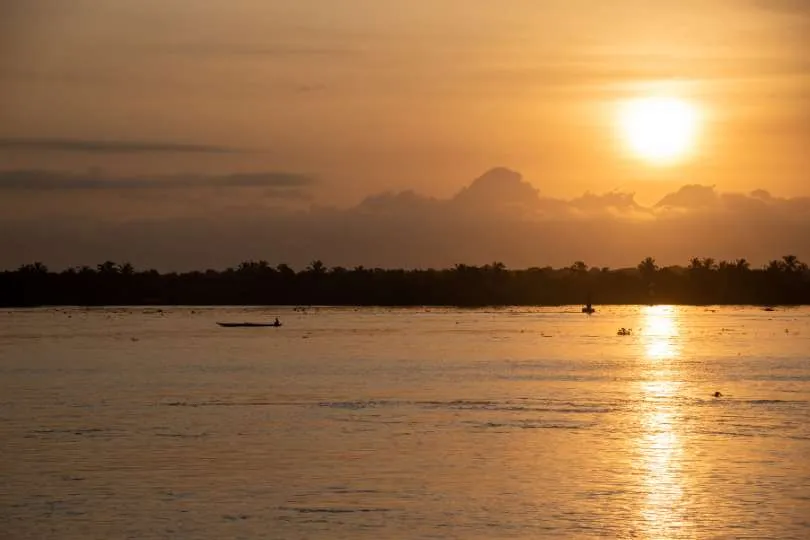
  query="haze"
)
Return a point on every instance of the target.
[{"x": 188, "y": 134}]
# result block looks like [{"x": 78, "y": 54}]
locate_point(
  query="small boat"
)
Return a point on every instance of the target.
[
  {"x": 248, "y": 324},
  {"x": 588, "y": 309}
]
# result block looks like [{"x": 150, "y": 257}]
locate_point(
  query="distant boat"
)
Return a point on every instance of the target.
[
  {"x": 768, "y": 308},
  {"x": 248, "y": 324},
  {"x": 588, "y": 309}
]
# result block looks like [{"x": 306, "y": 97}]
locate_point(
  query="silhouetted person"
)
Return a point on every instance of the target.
[{"x": 718, "y": 394}]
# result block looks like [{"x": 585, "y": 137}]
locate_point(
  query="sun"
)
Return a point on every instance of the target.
[{"x": 661, "y": 130}]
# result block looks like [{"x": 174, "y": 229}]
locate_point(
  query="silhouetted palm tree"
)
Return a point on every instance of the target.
[
  {"x": 285, "y": 270},
  {"x": 33, "y": 268},
  {"x": 742, "y": 265},
  {"x": 579, "y": 267},
  {"x": 316, "y": 267},
  {"x": 647, "y": 268},
  {"x": 107, "y": 268}
]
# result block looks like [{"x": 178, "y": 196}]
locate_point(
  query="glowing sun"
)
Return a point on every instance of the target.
[{"x": 661, "y": 130}]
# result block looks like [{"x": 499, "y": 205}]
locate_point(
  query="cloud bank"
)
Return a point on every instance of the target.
[
  {"x": 32, "y": 180},
  {"x": 216, "y": 221},
  {"x": 109, "y": 146}
]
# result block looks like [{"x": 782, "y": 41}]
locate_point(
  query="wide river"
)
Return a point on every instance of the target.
[{"x": 405, "y": 423}]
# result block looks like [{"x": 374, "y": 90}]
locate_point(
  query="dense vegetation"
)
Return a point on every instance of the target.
[{"x": 703, "y": 281}]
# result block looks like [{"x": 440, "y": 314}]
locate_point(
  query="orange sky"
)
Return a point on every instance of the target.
[{"x": 370, "y": 96}]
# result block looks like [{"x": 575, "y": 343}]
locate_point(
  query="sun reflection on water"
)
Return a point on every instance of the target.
[
  {"x": 659, "y": 446},
  {"x": 660, "y": 332}
]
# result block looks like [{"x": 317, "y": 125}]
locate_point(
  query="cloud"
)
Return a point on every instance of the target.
[
  {"x": 261, "y": 179},
  {"x": 109, "y": 146},
  {"x": 617, "y": 200},
  {"x": 34, "y": 180},
  {"x": 499, "y": 216},
  {"x": 692, "y": 197},
  {"x": 498, "y": 190}
]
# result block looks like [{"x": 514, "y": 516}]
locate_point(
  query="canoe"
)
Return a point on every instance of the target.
[{"x": 247, "y": 324}]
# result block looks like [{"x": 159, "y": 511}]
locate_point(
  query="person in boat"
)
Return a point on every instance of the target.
[
  {"x": 276, "y": 322},
  {"x": 588, "y": 306}
]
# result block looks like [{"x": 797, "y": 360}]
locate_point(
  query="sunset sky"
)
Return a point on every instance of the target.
[{"x": 145, "y": 113}]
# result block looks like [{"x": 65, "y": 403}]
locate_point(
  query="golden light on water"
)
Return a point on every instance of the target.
[
  {"x": 660, "y": 130},
  {"x": 659, "y": 448},
  {"x": 659, "y": 332},
  {"x": 660, "y": 451}
]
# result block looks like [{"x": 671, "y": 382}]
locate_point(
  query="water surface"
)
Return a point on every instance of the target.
[{"x": 413, "y": 423}]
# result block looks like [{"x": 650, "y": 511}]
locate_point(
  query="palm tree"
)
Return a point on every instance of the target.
[
  {"x": 774, "y": 266},
  {"x": 742, "y": 265},
  {"x": 107, "y": 268},
  {"x": 316, "y": 267},
  {"x": 702, "y": 263},
  {"x": 33, "y": 268},
  {"x": 579, "y": 267},
  {"x": 647, "y": 268},
  {"x": 791, "y": 264}
]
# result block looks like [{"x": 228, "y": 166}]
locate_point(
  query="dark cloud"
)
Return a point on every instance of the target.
[
  {"x": 261, "y": 179},
  {"x": 33, "y": 180},
  {"x": 692, "y": 196},
  {"x": 499, "y": 216},
  {"x": 109, "y": 146},
  {"x": 498, "y": 190}
]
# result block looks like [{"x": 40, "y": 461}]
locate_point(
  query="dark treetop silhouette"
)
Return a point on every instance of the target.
[{"x": 703, "y": 281}]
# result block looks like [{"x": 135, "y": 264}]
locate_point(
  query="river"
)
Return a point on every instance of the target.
[{"x": 375, "y": 423}]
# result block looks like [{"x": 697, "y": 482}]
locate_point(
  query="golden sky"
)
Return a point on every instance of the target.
[
  {"x": 370, "y": 95},
  {"x": 245, "y": 105}
]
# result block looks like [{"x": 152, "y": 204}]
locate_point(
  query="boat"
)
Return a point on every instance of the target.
[
  {"x": 588, "y": 309},
  {"x": 248, "y": 324}
]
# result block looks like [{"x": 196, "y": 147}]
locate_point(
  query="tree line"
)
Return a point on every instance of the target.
[{"x": 784, "y": 281}]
